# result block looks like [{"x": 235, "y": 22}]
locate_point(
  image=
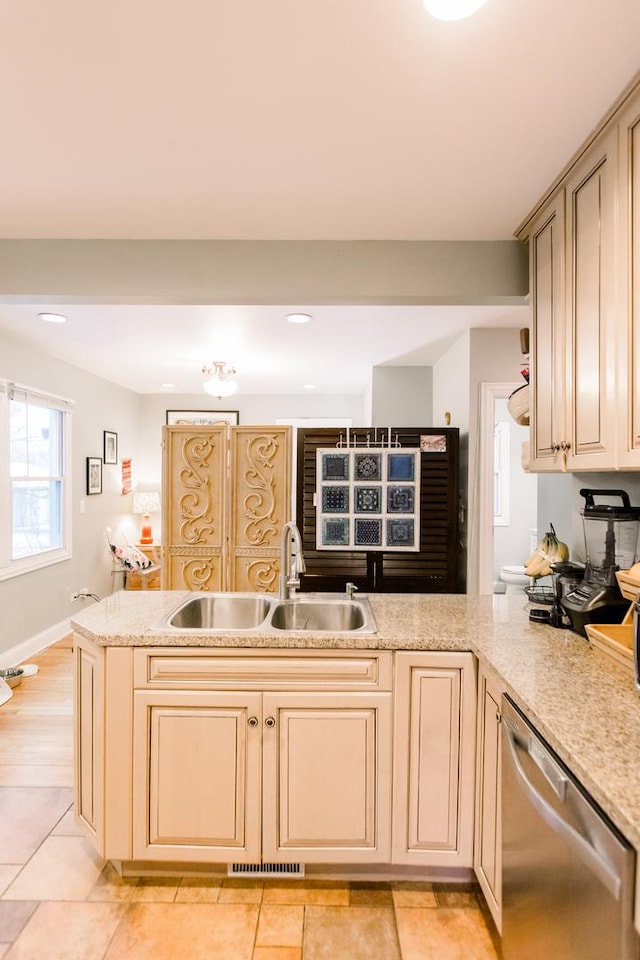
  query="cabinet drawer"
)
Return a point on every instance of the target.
[{"x": 249, "y": 669}]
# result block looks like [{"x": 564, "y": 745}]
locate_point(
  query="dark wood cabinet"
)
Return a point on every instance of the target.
[{"x": 434, "y": 568}]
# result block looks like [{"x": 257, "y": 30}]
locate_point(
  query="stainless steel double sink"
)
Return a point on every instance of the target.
[{"x": 260, "y": 613}]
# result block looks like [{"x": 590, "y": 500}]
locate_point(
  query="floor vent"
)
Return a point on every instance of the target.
[{"x": 265, "y": 869}]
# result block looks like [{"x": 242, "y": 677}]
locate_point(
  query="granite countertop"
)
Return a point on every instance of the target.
[{"x": 583, "y": 703}]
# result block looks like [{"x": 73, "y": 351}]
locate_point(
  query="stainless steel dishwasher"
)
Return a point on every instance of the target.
[{"x": 567, "y": 873}]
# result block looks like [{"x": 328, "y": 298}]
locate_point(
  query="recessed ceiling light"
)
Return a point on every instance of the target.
[
  {"x": 299, "y": 317},
  {"x": 167, "y": 386},
  {"x": 53, "y": 317},
  {"x": 309, "y": 386}
]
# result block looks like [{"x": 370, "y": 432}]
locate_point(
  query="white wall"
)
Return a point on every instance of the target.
[
  {"x": 252, "y": 409},
  {"x": 33, "y": 602}
]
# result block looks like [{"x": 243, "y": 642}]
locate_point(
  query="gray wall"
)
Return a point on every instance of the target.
[
  {"x": 265, "y": 272},
  {"x": 402, "y": 397},
  {"x": 33, "y": 602}
]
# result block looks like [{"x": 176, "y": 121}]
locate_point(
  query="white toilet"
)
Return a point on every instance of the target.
[
  {"x": 512, "y": 575},
  {"x": 514, "y": 578}
]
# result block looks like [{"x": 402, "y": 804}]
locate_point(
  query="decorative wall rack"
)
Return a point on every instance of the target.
[{"x": 367, "y": 494}]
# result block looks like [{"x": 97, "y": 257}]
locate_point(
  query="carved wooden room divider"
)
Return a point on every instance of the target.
[{"x": 226, "y": 495}]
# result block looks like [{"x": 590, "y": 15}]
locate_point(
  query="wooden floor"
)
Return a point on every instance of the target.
[{"x": 59, "y": 901}]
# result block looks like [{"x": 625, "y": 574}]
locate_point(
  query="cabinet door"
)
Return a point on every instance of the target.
[
  {"x": 487, "y": 858},
  {"x": 546, "y": 266},
  {"x": 628, "y": 264},
  {"x": 327, "y": 777},
  {"x": 194, "y": 485},
  {"x": 196, "y": 791},
  {"x": 260, "y": 505},
  {"x": 434, "y": 753},
  {"x": 591, "y": 289},
  {"x": 89, "y": 738}
]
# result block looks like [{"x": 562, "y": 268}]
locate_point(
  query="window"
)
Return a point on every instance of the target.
[{"x": 35, "y": 434}]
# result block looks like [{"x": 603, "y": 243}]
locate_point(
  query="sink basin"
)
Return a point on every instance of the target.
[
  {"x": 326, "y": 615},
  {"x": 259, "y": 613},
  {"x": 224, "y": 611}
]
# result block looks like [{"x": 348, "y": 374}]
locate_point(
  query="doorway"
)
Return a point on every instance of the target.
[{"x": 508, "y": 494}]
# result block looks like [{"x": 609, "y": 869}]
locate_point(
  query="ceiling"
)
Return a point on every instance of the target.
[{"x": 335, "y": 120}]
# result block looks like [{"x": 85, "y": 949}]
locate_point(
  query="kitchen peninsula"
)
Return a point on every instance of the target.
[{"x": 143, "y": 692}]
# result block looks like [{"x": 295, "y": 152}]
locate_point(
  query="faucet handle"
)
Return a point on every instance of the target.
[{"x": 350, "y": 590}]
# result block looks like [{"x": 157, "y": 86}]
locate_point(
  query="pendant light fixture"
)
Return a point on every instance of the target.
[
  {"x": 221, "y": 385},
  {"x": 452, "y": 9}
]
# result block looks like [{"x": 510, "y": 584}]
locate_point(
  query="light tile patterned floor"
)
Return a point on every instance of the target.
[{"x": 59, "y": 901}]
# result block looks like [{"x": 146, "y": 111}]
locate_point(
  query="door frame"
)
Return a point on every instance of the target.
[{"x": 489, "y": 393}]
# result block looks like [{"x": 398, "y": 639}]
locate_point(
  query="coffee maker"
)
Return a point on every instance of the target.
[{"x": 611, "y": 540}]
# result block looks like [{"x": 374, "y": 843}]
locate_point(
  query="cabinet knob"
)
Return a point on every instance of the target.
[
  {"x": 270, "y": 722},
  {"x": 565, "y": 445},
  {"x": 253, "y": 721},
  {"x": 555, "y": 447}
]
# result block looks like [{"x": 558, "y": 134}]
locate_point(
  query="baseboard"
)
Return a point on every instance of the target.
[{"x": 14, "y": 656}]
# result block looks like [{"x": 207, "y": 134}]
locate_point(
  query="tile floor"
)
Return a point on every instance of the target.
[{"x": 60, "y": 901}]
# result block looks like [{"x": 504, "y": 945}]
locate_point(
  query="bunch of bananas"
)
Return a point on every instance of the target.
[{"x": 550, "y": 550}]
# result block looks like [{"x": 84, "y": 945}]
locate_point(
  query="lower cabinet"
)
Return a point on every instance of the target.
[
  {"x": 487, "y": 844},
  {"x": 245, "y": 777},
  {"x": 193, "y": 755},
  {"x": 434, "y": 755}
]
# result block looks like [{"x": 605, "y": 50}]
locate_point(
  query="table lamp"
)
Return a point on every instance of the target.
[{"x": 146, "y": 502}]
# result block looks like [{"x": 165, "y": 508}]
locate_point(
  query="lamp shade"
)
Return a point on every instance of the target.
[
  {"x": 220, "y": 388},
  {"x": 146, "y": 502}
]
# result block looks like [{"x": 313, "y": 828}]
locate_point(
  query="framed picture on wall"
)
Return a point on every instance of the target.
[
  {"x": 203, "y": 418},
  {"x": 110, "y": 447},
  {"x": 94, "y": 475}
]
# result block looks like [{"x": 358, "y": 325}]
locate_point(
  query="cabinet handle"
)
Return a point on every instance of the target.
[
  {"x": 253, "y": 721},
  {"x": 565, "y": 445},
  {"x": 498, "y": 717},
  {"x": 269, "y": 722}
]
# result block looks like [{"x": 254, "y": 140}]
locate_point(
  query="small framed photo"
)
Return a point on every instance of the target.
[
  {"x": 94, "y": 475},
  {"x": 203, "y": 418},
  {"x": 110, "y": 447}
]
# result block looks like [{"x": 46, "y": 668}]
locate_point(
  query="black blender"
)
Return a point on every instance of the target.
[{"x": 611, "y": 539}]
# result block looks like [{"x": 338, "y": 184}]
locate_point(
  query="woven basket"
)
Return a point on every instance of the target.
[{"x": 518, "y": 405}]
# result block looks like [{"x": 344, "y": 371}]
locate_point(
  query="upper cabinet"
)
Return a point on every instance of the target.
[
  {"x": 583, "y": 252},
  {"x": 546, "y": 268},
  {"x": 629, "y": 295},
  {"x": 590, "y": 315}
]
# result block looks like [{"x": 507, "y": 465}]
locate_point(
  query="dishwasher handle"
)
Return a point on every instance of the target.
[{"x": 596, "y": 863}]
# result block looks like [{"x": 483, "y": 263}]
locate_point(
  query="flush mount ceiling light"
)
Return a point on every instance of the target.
[
  {"x": 53, "y": 317},
  {"x": 299, "y": 317},
  {"x": 221, "y": 385},
  {"x": 452, "y": 9}
]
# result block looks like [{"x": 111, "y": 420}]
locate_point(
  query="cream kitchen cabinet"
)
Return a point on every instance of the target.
[
  {"x": 629, "y": 281},
  {"x": 434, "y": 756},
  {"x": 591, "y": 309},
  {"x": 281, "y": 777},
  {"x": 546, "y": 271},
  {"x": 217, "y": 756},
  {"x": 573, "y": 287},
  {"x": 487, "y": 859}
]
